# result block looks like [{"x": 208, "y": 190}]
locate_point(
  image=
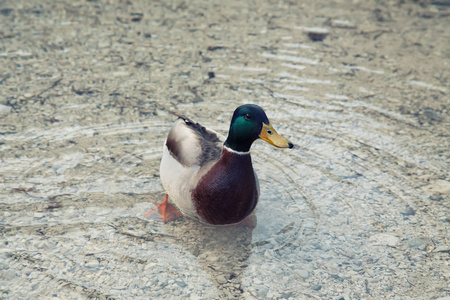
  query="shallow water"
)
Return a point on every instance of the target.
[{"x": 358, "y": 209}]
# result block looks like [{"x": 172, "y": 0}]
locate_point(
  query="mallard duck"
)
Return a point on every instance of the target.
[{"x": 211, "y": 178}]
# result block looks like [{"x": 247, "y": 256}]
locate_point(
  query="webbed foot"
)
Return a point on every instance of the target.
[{"x": 166, "y": 211}]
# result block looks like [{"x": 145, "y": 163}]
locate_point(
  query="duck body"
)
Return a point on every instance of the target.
[
  {"x": 229, "y": 191},
  {"x": 210, "y": 178}
]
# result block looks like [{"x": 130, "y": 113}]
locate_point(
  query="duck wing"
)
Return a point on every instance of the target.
[{"x": 193, "y": 144}]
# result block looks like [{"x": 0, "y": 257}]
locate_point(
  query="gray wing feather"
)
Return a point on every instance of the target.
[{"x": 209, "y": 141}]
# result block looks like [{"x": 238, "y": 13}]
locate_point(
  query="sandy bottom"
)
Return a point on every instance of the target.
[{"x": 359, "y": 209}]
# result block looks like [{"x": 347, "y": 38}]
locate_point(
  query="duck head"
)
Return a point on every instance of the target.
[{"x": 249, "y": 122}]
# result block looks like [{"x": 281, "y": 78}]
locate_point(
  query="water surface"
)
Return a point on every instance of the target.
[{"x": 358, "y": 209}]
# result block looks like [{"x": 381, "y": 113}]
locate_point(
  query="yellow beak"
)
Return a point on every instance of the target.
[{"x": 270, "y": 135}]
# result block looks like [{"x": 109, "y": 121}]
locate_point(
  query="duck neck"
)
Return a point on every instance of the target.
[
  {"x": 235, "y": 151},
  {"x": 238, "y": 145}
]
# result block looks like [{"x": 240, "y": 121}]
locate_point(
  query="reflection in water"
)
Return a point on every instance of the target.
[{"x": 221, "y": 251}]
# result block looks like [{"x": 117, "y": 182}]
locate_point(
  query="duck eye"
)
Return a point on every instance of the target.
[{"x": 247, "y": 117}]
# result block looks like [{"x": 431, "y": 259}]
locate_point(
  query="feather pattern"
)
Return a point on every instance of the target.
[{"x": 194, "y": 144}]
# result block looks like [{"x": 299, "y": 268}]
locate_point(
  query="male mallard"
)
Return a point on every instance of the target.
[{"x": 209, "y": 178}]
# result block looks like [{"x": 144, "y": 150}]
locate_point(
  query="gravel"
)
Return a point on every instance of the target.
[{"x": 358, "y": 209}]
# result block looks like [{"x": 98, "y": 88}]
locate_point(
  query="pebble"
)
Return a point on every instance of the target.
[
  {"x": 439, "y": 186},
  {"x": 385, "y": 239},
  {"x": 418, "y": 243},
  {"x": 100, "y": 211},
  {"x": 342, "y": 24},
  {"x": 316, "y": 33},
  {"x": 357, "y": 262},
  {"x": 5, "y": 108},
  {"x": 38, "y": 215},
  {"x": 212, "y": 258},
  {"x": 302, "y": 273},
  {"x": 180, "y": 284},
  {"x": 408, "y": 211},
  {"x": 442, "y": 248},
  {"x": 92, "y": 263},
  {"x": 357, "y": 268},
  {"x": 9, "y": 274},
  {"x": 42, "y": 245},
  {"x": 261, "y": 290},
  {"x": 221, "y": 279},
  {"x": 121, "y": 74}
]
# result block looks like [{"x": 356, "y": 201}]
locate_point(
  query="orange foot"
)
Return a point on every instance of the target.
[{"x": 166, "y": 211}]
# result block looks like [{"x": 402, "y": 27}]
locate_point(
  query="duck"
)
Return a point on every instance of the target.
[{"x": 211, "y": 178}]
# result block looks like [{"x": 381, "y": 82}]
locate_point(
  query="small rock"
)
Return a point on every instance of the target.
[
  {"x": 42, "y": 245},
  {"x": 121, "y": 74},
  {"x": 357, "y": 268},
  {"x": 442, "y": 248},
  {"x": 316, "y": 34},
  {"x": 38, "y": 215},
  {"x": 180, "y": 284},
  {"x": 418, "y": 243},
  {"x": 302, "y": 273},
  {"x": 408, "y": 211},
  {"x": 337, "y": 277},
  {"x": 257, "y": 281},
  {"x": 4, "y": 108},
  {"x": 212, "y": 258},
  {"x": 342, "y": 24},
  {"x": 92, "y": 264},
  {"x": 385, "y": 239},
  {"x": 9, "y": 274},
  {"x": 262, "y": 290},
  {"x": 357, "y": 263},
  {"x": 221, "y": 279},
  {"x": 436, "y": 197},
  {"x": 439, "y": 186},
  {"x": 317, "y": 287}
]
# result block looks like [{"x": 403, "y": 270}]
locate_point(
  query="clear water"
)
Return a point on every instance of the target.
[{"x": 358, "y": 209}]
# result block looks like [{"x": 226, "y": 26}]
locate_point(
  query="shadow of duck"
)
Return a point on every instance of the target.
[{"x": 221, "y": 251}]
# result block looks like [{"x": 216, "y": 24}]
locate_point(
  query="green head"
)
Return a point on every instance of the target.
[{"x": 249, "y": 123}]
